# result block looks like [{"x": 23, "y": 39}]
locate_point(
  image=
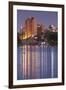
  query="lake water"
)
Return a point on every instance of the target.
[{"x": 37, "y": 62}]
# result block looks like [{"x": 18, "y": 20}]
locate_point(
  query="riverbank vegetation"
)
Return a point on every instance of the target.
[{"x": 47, "y": 38}]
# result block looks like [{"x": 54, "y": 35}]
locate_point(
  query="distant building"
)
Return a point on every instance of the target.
[
  {"x": 52, "y": 28},
  {"x": 40, "y": 29},
  {"x": 43, "y": 28}
]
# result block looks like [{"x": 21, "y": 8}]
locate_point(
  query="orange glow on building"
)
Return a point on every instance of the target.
[
  {"x": 31, "y": 28},
  {"x": 25, "y": 36}
]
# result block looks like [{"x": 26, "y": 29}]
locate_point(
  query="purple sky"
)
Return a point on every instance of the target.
[{"x": 43, "y": 17}]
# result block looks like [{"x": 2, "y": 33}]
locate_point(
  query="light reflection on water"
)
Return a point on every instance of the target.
[{"x": 36, "y": 62}]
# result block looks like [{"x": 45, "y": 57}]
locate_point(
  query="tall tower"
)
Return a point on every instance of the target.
[
  {"x": 27, "y": 25},
  {"x": 33, "y": 26},
  {"x": 39, "y": 29},
  {"x": 43, "y": 28},
  {"x": 30, "y": 28}
]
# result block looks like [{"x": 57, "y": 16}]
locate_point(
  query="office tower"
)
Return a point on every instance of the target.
[
  {"x": 39, "y": 29},
  {"x": 33, "y": 24},
  {"x": 43, "y": 28},
  {"x": 31, "y": 27},
  {"x": 28, "y": 29}
]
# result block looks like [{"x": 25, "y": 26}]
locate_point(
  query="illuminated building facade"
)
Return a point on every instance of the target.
[
  {"x": 31, "y": 28},
  {"x": 40, "y": 29}
]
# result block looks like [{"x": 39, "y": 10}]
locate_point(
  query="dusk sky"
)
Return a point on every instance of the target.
[{"x": 43, "y": 17}]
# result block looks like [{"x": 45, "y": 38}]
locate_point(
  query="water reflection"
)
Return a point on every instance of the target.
[{"x": 36, "y": 62}]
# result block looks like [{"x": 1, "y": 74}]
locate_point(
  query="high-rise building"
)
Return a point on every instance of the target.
[
  {"x": 40, "y": 29},
  {"x": 43, "y": 28},
  {"x": 28, "y": 29},
  {"x": 31, "y": 28},
  {"x": 33, "y": 25}
]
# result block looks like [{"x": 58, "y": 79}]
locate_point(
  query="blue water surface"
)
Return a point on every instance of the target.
[{"x": 37, "y": 62}]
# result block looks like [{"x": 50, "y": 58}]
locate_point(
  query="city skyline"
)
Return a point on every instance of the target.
[
  {"x": 43, "y": 17},
  {"x": 31, "y": 28}
]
